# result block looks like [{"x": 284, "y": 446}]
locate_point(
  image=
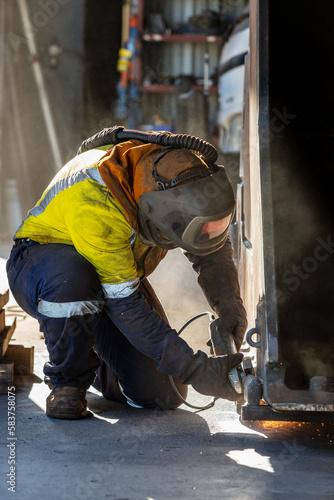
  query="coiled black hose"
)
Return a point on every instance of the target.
[
  {"x": 185, "y": 141},
  {"x": 106, "y": 136}
]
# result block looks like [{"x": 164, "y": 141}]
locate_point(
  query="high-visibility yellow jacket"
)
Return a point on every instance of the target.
[{"x": 78, "y": 209}]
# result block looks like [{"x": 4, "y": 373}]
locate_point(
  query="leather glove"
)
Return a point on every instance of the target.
[
  {"x": 104, "y": 137},
  {"x": 210, "y": 376},
  {"x": 218, "y": 279},
  {"x": 232, "y": 319},
  {"x": 207, "y": 374}
]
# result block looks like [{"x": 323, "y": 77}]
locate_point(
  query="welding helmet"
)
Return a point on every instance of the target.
[{"x": 192, "y": 211}]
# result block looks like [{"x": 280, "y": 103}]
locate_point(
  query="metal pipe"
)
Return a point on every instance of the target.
[
  {"x": 20, "y": 167},
  {"x": 37, "y": 71}
]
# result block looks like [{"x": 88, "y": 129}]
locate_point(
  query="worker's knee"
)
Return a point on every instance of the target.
[
  {"x": 174, "y": 397},
  {"x": 161, "y": 393}
]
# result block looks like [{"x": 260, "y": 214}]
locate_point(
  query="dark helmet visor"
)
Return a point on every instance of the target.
[{"x": 195, "y": 216}]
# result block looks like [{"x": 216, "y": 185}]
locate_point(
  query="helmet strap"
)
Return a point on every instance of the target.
[{"x": 164, "y": 183}]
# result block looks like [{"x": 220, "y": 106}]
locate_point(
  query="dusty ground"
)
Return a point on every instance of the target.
[{"x": 125, "y": 453}]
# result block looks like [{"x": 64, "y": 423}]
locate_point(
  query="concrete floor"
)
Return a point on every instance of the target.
[{"x": 124, "y": 453}]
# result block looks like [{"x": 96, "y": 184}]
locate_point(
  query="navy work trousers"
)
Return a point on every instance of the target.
[{"x": 84, "y": 346}]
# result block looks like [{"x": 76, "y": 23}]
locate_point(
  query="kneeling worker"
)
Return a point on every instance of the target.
[{"x": 81, "y": 257}]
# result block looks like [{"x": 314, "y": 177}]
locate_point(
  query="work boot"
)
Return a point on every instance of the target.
[{"x": 67, "y": 403}]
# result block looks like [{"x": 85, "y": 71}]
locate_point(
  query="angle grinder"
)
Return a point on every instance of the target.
[{"x": 224, "y": 344}]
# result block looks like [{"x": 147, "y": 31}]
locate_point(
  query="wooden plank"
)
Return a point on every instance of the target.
[
  {"x": 4, "y": 298},
  {"x": 2, "y": 320},
  {"x": 6, "y": 376},
  {"x": 22, "y": 357},
  {"x": 5, "y": 337}
]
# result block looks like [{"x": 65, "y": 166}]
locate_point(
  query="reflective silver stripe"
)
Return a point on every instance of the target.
[
  {"x": 128, "y": 400},
  {"x": 69, "y": 309},
  {"x": 132, "y": 238},
  {"x": 56, "y": 189},
  {"x": 120, "y": 290},
  {"x": 62, "y": 184},
  {"x": 94, "y": 174}
]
